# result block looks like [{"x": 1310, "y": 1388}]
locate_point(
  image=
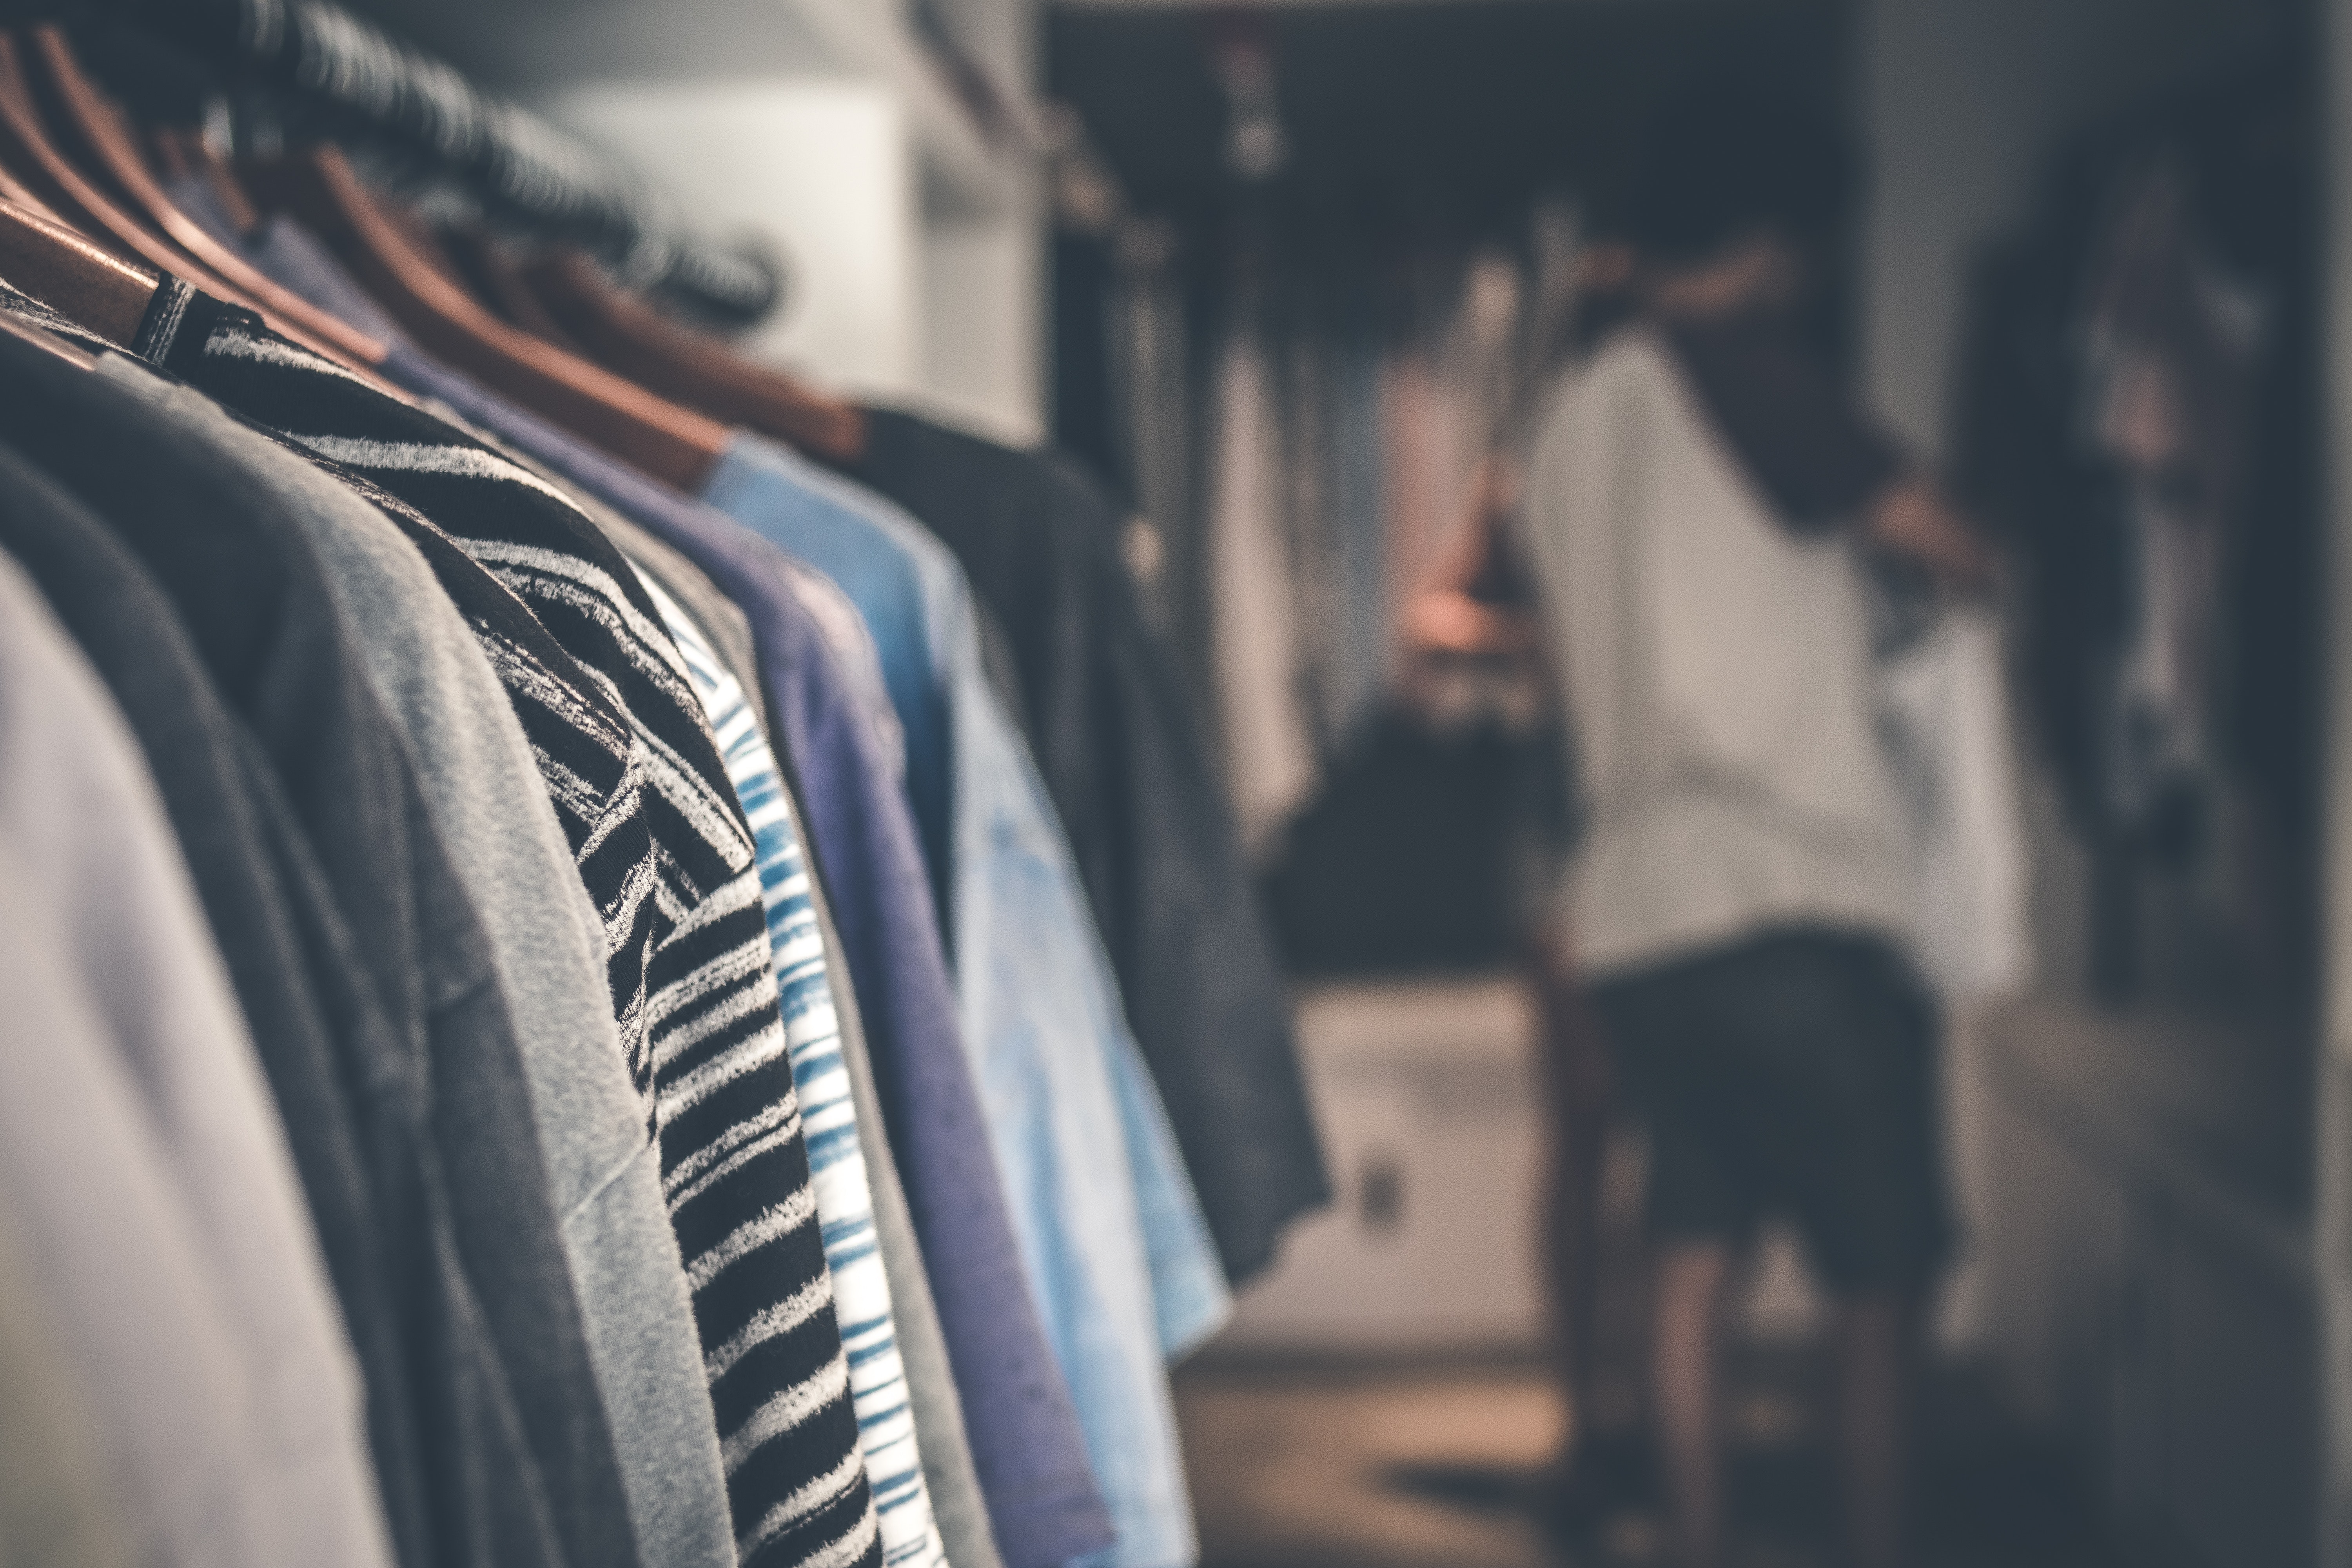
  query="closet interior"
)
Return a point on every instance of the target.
[{"x": 791, "y": 784}]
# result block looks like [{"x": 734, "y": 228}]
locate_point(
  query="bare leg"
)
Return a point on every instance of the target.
[
  {"x": 1577, "y": 1075},
  {"x": 1685, "y": 1330},
  {"x": 1878, "y": 1340}
]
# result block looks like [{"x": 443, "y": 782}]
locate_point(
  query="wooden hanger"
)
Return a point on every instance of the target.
[
  {"x": 74, "y": 201},
  {"x": 15, "y": 191},
  {"x": 499, "y": 284},
  {"x": 110, "y": 146},
  {"x": 72, "y": 277},
  {"x": 10, "y": 191},
  {"x": 210, "y": 167},
  {"x": 43, "y": 177},
  {"x": 673, "y": 443},
  {"x": 699, "y": 371},
  {"x": 165, "y": 143}
]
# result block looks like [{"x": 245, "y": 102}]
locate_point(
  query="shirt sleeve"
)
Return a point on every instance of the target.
[{"x": 1814, "y": 455}]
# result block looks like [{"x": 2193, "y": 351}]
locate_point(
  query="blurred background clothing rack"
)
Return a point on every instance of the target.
[{"x": 2141, "y": 1164}]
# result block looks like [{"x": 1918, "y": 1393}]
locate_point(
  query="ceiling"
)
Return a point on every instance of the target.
[{"x": 1447, "y": 112}]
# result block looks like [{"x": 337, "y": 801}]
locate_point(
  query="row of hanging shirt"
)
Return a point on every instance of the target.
[
  {"x": 1355, "y": 431},
  {"x": 596, "y": 990}
]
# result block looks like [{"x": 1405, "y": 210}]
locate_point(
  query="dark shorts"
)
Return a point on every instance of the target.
[{"x": 1792, "y": 1074}]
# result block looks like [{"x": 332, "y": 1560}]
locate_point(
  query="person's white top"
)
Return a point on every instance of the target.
[{"x": 1717, "y": 669}]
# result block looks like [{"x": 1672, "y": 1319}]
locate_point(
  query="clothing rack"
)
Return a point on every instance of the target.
[
  {"x": 403, "y": 538},
  {"x": 314, "y": 72}
]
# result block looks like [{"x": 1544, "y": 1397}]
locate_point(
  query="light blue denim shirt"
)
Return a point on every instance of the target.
[{"x": 1111, "y": 1232}]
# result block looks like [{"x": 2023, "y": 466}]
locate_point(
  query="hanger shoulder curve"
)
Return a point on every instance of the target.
[
  {"x": 632, "y": 339},
  {"x": 108, "y": 143},
  {"x": 79, "y": 280},
  {"x": 673, "y": 443}
]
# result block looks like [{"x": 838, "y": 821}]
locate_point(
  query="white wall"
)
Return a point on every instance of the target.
[
  {"x": 984, "y": 329},
  {"x": 824, "y": 170},
  {"x": 914, "y": 244},
  {"x": 984, "y": 273}
]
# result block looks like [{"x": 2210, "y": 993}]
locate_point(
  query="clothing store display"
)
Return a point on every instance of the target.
[
  {"x": 371, "y": 892},
  {"x": 1023, "y": 1435},
  {"x": 511, "y": 1244},
  {"x": 1077, "y": 1131},
  {"x": 1030, "y": 1463},
  {"x": 575, "y": 1030},
  {"x": 547, "y": 941},
  {"x": 844, "y": 1202},
  {"x": 1793, "y": 1072},
  {"x": 1152, "y": 835},
  {"x": 894, "y": 609},
  {"x": 122, "y": 621},
  {"x": 1718, "y": 668},
  {"x": 300, "y": 262},
  {"x": 709, "y": 1068},
  {"x": 1006, "y": 839},
  {"x": 650, "y": 932}
]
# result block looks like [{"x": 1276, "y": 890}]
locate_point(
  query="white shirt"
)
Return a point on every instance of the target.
[{"x": 1717, "y": 671}]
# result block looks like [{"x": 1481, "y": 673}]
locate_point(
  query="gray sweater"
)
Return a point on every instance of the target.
[{"x": 491, "y": 808}]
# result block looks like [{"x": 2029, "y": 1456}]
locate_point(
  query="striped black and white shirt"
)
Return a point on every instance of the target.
[
  {"x": 844, "y": 1200},
  {"x": 664, "y": 848}
]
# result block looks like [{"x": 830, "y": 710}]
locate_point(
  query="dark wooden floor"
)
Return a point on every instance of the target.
[{"x": 1400, "y": 1465}]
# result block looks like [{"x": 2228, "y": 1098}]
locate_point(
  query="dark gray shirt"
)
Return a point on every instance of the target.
[
  {"x": 474, "y": 1278},
  {"x": 546, "y": 943}
]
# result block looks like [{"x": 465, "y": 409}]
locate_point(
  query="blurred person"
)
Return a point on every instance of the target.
[{"x": 1701, "y": 491}]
